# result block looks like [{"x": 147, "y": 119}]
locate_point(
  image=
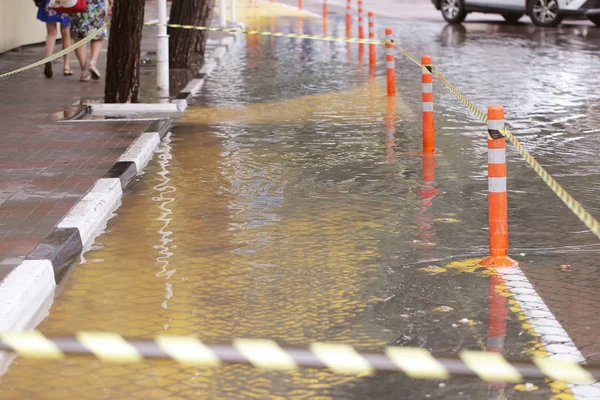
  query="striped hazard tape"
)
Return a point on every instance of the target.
[
  {"x": 57, "y": 55},
  {"x": 416, "y": 363},
  {"x": 267, "y": 33},
  {"x": 200, "y": 28}
]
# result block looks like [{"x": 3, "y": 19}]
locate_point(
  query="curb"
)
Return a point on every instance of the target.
[
  {"x": 26, "y": 293},
  {"x": 180, "y": 102}
]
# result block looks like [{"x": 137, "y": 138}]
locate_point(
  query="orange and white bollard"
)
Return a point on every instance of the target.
[
  {"x": 324, "y": 9},
  {"x": 427, "y": 98},
  {"x": 497, "y": 196},
  {"x": 372, "y": 48},
  {"x": 390, "y": 63},
  {"x": 299, "y": 4},
  {"x": 349, "y": 19},
  {"x": 361, "y": 25},
  {"x": 361, "y": 32}
]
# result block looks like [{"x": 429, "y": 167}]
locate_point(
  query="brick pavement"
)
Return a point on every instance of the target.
[{"x": 47, "y": 166}]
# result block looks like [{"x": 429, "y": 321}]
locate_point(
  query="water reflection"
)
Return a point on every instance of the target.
[
  {"x": 497, "y": 316},
  {"x": 296, "y": 196},
  {"x": 427, "y": 191}
]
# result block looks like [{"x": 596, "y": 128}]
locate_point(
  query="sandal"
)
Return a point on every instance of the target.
[
  {"x": 48, "y": 69},
  {"x": 84, "y": 77},
  {"x": 67, "y": 72},
  {"x": 94, "y": 71}
]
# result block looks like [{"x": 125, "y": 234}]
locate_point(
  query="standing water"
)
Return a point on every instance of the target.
[{"x": 291, "y": 203}]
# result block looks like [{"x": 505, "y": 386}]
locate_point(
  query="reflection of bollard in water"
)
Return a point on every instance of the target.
[
  {"x": 390, "y": 64},
  {"x": 497, "y": 197},
  {"x": 427, "y": 192},
  {"x": 497, "y": 315},
  {"x": 427, "y": 98},
  {"x": 372, "y": 48},
  {"x": 348, "y": 19},
  {"x": 390, "y": 129}
]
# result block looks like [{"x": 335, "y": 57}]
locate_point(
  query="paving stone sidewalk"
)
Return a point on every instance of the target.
[{"x": 46, "y": 166}]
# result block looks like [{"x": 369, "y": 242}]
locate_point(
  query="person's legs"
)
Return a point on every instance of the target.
[
  {"x": 51, "y": 33},
  {"x": 96, "y": 48},
  {"x": 65, "y": 32},
  {"x": 81, "y": 54}
]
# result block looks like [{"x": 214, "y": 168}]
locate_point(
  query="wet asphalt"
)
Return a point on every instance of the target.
[{"x": 290, "y": 203}]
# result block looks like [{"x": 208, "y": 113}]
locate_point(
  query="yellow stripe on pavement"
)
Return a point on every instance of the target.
[
  {"x": 265, "y": 354},
  {"x": 109, "y": 347},
  {"x": 341, "y": 358},
  {"x": 490, "y": 366},
  {"x": 188, "y": 351},
  {"x": 417, "y": 363},
  {"x": 31, "y": 344}
]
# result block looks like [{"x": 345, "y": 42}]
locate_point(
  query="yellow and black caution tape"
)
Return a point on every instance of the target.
[
  {"x": 581, "y": 213},
  {"x": 416, "y": 363},
  {"x": 57, "y": 55},
  {"x": 200, "y": 28},
  {"x": 573, "y": 204},
  {"x": 276, "y": 34},
  {"x": 577, "y": 209}
]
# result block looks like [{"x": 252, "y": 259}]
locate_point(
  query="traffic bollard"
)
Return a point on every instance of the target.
[
  {"x": 372, "y": 48},
  {"x": 361, "y": 28},
  {"x": 427, "y": 98},
  {"x": 497, "y": 196},
  {"x": 348, "y": 19},
  {"x": 390, "y": 63}
]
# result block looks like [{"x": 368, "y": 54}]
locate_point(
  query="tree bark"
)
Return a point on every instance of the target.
[
  {"x": 183, "y": 42},
  {"x": 123, "y": 58}
]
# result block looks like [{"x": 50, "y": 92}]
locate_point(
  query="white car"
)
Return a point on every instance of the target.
[{"x": 541, "y": 12}]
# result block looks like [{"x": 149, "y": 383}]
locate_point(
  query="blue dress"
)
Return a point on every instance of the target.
[{"x": 46, "y": 14}]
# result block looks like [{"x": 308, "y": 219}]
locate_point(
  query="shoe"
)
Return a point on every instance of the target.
[
  {"x": 94, "y": 71},
  {"x": 85, "y": 77},
  {"x": 67, "y": 72},
  {"x": 48, "y": 69}
]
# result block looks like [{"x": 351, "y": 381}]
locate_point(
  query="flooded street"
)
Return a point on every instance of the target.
[{"x": 290, "y": 203}]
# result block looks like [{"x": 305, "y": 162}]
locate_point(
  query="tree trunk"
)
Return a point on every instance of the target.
[
  {"x": 123, "y": 58},
  {"x": 183, "y": 42}
]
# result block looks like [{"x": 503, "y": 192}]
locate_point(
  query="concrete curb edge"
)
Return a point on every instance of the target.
[{"x": 32, "y": 283}]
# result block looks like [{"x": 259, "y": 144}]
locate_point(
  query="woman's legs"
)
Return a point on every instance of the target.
[
  {"x": 81, "y": 54},
  {"x": 65, "y": 32},
  {"x": 96, "y": 48},
  {"x": 51, "y": 33}
]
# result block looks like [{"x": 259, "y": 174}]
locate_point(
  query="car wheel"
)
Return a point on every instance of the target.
[
  {"x": 595, "y": 19},
  {"x": 453, "y": 11},
  {"x": 544, "y": 12},
  {"x": 512, "y": 18}
]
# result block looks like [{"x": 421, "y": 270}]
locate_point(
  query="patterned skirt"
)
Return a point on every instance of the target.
[{"x": 92, "y": 19}]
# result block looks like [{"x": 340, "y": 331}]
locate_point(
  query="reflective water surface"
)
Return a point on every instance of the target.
[{"x": 290, "y": 203}]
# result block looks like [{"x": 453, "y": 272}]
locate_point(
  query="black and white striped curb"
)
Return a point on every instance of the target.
[{"x": 31, "y": 285}]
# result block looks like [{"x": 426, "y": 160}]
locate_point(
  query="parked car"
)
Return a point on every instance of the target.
[{"x": 541, "y": 12}]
